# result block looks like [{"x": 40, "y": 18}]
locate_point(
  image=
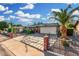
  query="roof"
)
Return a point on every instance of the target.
[
  {"x": 46, "y": 25},
  {"x": 50, "y": 24}
]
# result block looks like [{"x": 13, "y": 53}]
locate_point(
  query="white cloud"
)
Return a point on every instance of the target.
[
  {"x": 8, "y": 12},
  {"x": 2, "y": 18},
  {"x": 24, "y": 19},
  {"x": 43, "y": 18},
  {"x": 11, "y": 16},
  {"x": 27, "y": 15},
  {"x": 19, "y": 18},
  {"x": 36, "y": 16},
  {"x": 76, "y": 12},
  {"x": 20, "y": 13},
  {"x": 6, "y": 8},
  {"x": 3, "y": 8},
  {"x": 57, "y": 10},
  {"x": 28, "y": 6}
]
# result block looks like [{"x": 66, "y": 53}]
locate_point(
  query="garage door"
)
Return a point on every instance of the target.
[{"x": 48, "y": 30}]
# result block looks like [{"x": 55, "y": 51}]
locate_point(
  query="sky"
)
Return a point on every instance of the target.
[{"x": 30, "y": 13}]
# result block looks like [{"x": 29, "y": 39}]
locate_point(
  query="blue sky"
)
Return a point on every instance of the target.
[{"x": 28, "y": 14}]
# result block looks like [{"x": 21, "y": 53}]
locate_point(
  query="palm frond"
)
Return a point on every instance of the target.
[
  {"x": 64, "y": 15},
  {"x": 77, "y": 8},
  {"x": 75, "y": 16},
  {"x": 68, "y": 7}
]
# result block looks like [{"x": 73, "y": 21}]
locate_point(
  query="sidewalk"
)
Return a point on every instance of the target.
[
  {"x": 20, "y": 49},
  {"x": 3, "y": 38}
]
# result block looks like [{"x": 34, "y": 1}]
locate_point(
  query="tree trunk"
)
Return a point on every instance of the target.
[{"x": 63, "y": 31}]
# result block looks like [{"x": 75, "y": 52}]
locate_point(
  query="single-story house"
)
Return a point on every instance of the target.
[
  {"x": 19, "y": 28},
  {"x": 49, "y": 28}
]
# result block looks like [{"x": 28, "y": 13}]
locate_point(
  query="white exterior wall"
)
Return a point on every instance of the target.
[
  {"x": 77, "y": 27},
  {"x": 48, "y": 30}
]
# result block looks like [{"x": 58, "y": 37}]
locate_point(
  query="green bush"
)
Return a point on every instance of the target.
[
  {"x": 3, "y": 25},
  {"x": 10, "y": 30},
  {"x": 65, "y": 43},
  {"x": 70, "y": 28},
  {"x": 24, "y": 31},
  {"x": 28, "y": 31},
  {"x": 69, "y": 32}
]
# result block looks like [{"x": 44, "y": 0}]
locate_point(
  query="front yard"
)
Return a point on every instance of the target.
[{"x": 36, "y": 41}]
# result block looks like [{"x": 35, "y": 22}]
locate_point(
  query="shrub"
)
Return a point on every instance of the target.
[
  {"x": 69, "y": 32},
  {"x": 3, "y": 25},
  {"x": 65, "y": 43},
  {"x": 10, "y": 30},
  {"x": 27, "y": 31},
  {"x": 70, "y": 28}
]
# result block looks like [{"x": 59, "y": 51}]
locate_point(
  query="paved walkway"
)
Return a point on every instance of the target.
[
  {"x": 19, "y": 49},
  {"x": 34, "y": 41},
  {"x": 3, "y": 38}
]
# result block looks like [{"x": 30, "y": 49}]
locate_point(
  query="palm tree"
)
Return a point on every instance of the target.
[{"x": 64, "y": 16}]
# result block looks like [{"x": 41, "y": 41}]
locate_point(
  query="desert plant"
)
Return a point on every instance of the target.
[
  {"x": 65, "y": 42},
  {"x": 64, "y": 16}
]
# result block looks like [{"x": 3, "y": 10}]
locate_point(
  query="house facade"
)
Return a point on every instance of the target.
[
  {"x": 46, "y": 28},
  {"x": 49, "y": 28}
]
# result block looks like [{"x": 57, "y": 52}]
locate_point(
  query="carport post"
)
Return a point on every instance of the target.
[{"x": 46, "y": 42}]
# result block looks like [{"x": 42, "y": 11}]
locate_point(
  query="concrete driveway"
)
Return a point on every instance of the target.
[{"x": 15, "y": 47}]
